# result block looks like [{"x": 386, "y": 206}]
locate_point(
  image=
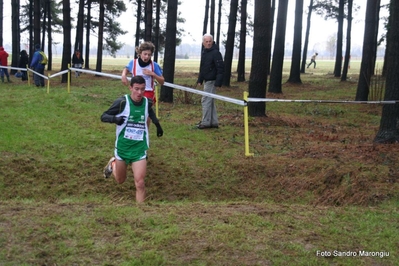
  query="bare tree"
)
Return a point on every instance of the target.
[
  {"x": 369, "y": 43},
  {"x": 348, "y": 42},
  {"x": 231, "y": 32},
  {"x": 218, "y": 24},
  {"x": 276, "y": 74},
  {"x": 295, "y": 73},
  {"x": 16, "y": 33},
  {"x": 338, "y": 55},
  {"x": 1, "y": 22},
  {"x": 305, "y": 45},
  {"x": 243, "y": 35},
  {"x": 205, "y": 25},
  {"x": 260, "y": 54},
  {"x": 170, "y": 50},
  {"x": 138, "y": 15},
  {"x": 157, "y": 30},
  {"x": 79, "y": 27},
  {"x": 36, "y": 22},
  {"x": 148, "y": 20},
  {"x": 388, "y": 131},
  {"x": 66, "y": 51},
  {"x": 212, "y": 18},
  {"x": 88, "y": 27}
]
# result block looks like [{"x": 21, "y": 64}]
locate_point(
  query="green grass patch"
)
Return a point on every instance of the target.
[{"x": 316, "y": 189}]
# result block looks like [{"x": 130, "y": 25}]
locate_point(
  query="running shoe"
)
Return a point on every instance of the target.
[{"x": 108, "y": 168}]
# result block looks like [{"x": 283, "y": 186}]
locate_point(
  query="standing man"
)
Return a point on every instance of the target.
[
  {"x": 211, "y": 74},
  {"x": 3, "y": 62},
  {"x": 38, "y": 63},
  {"x": 130, "y": 113},
  {"x": 313, "y": 60}
]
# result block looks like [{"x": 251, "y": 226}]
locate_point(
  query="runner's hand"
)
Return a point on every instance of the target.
[
  {"x": 159, "y": 130},
  {"x": 119, "y": 120}
]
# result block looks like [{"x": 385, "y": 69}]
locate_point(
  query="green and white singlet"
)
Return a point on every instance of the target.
[{"x": 132, "y": 138}]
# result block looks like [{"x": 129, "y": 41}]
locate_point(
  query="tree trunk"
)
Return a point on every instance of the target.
[
  {"x": 138, "y": 14},
  {"x": 148, "y": 21},
  {"x": 66, "y": 51},
  {"x": 88, "y": 26},
  {"x": 205, "y": 25},
  {"x": 295, "y": 72},
  {"x": 1, "y": 22},
  {"x": 212, "y": 20},
  {"x": 31, "y": 41},
  {"x": 79, "y": 27},
  {"x": 272, "y": 11},
  {"x": 50, "y": 38},
  {"x": 219, "y": 23},
  {"x": 348, "y": 42},
  {"x": 156, "y": 30},
  {"x": 170, "y": 51},
  {"x": 338, "y": 54},
  {"x": 260, "y": 53},
  {"x": 369, "y": 43},
  {"x": 228, "y": 56},
  {"x": 243, "y": 35},
  {"x": 36, "y": 22},
  {"x": 276, "y": 74},
  {"x": 16, "y": 31},
  {"x": 388, "y": 132},
  {"x": 100, "y": 43},
  {"x": 305, "y": 45}
]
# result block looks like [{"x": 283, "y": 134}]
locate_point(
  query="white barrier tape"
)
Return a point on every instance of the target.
[
  {"x": 43, "y": 76},
  {"x": 59, "y": 73},
  {"x": 212, "y": 95},
  {"x": 95, "y": 73},
  {"x": 15, "y": 68},
  {"x": 318, "y": 101}
]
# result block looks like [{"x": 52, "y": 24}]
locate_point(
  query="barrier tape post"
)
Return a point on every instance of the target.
[
  {"x": 156, "y": 99},
  {"x": 48, "y": 84},
  {"x": 69, "y": 79},
  {"x": 246, "y": 128}
]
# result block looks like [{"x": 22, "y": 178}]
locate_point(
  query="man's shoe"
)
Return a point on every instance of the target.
[
  {"x": 201, "y": 126},
  {"x": 108, "y": 168},
  {"x": 214, "y": 126}
]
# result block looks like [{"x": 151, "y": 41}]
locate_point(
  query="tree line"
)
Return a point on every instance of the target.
[{"x": 42, "y": 18}]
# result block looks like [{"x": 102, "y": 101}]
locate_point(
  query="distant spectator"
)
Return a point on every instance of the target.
[
  {"x": 23, "y": 63},
  {"x": 313, "y": 60},
  {"x": 3, "y": 62},
  {"x": 77, "y": 62},
  {"x": 38, "y": 65}
]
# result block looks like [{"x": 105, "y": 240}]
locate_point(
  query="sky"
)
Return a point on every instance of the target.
[{"x": 193, "y": 12}]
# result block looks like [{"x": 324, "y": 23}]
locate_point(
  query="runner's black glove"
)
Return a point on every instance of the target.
[
  {"x": 119, "y": 120},
  {"x": 159, "y": 130}
]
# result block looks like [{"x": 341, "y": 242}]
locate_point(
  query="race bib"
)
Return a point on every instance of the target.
[{"x": 135, "y": 131}]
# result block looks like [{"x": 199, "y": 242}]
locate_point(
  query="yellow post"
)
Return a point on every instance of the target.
[
  {"x": 28, "y": 74},
  {"x": 246, "y": 130},
  {"x": 69, "y": 79},
  {"x": 156, "y": 100},
  {"x": 48, "y": 83}
]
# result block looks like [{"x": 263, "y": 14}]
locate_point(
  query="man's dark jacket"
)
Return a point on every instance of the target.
[{"x": 212, "y": 66}]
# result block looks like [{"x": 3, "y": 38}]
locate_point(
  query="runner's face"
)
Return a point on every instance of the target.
[
  {"x": 137, "y": 92},
  {"x": 146, "y": 55},
  {"x": 207, "y": 42}
]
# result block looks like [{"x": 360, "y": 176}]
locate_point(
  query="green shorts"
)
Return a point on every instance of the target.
[{"x": 137, "y": 158}]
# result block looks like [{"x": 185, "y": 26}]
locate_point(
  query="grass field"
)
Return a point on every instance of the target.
[{"x": 316, "y": 192}]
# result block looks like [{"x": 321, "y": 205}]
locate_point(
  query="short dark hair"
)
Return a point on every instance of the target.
[{"x": 137, "y": 80}]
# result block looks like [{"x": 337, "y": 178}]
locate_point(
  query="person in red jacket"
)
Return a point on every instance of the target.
[{"x": 3, "y": 62}]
